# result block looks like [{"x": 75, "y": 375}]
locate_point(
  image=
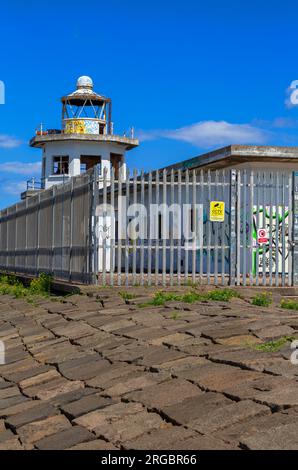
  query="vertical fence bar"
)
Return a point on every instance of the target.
[
  {"x": 149, "y": 251},
  {"x": 7, "y": 237},
  {"x": 53, "y": 229},
  {"x": 134, "y": 241},
  {"x": 181, "y": 229},
  {"x": 233, "y": 202},
  {"x": 257, "y": 254},
  {"x": 194, "y": 226},
  {"x": 71, "y": 231},
  {"x": 112, "y": 238},
  {"x": 216, "y": 197},
  {"x": 126, "y": 234},
  {"x": 283, "y": 233},
  {"x": 94, "y": 223},
  {"x": 238, "y": 227},
  {"x": 15, "y": 219},
  {"x": 208, "y": 228},
  {"x": 164, "y": 229},
  {"x": 223, "y": 231},
  {"x": 290, "y": 229},
  {"x": 157, "y": 228},
  {"x": 143, "y": 229},
  {"x": 251, "y": 227},
  {"x": 295, "y": 228},
  {"x": 104, "y": 229},
  {"x": 26, "y": 235},
  {"x": 187, "y": 225},
  {"x": 264, "y": 248},
  {"x": 244, "y": 239},
  {"x": 172, "y": 229},
  {"x": 271, "y": 186},
  {"x": 120, "y": 231},
  {"x": 62, "y": 231},
  {"x": 38, "y": 236},
  {"x": 202, "y": 226},
  {"x": 277, "y": 231}
]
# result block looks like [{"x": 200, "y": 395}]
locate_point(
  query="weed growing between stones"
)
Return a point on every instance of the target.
[
  {"x": 262, "y": 300},
  {"x": 274, "y": 346},
  {"x": 40, "y": 287},
  {"x": 161, "y": 297},
  {"x": 289, "y": 304},
  {"x": 127, "y": 295}
]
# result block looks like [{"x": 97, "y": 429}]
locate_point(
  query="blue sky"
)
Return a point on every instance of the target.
[{"x": 189, "y": 76}]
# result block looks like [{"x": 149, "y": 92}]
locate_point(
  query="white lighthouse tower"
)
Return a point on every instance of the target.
[{"x": 86, "y": 138}]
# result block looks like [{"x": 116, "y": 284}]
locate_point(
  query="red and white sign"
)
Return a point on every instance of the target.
[{"x": 262, "y": 236}]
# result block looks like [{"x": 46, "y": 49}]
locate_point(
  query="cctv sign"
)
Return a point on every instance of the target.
[{"x": 262, "y": 236}]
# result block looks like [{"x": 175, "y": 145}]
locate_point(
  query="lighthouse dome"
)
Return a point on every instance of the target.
[{"x": 84, "y": 82}]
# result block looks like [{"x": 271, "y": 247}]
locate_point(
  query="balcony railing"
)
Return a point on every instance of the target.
[{"x": 34, "y": 184}]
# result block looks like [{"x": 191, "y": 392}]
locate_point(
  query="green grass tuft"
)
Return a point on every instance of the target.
[
  {"x": 10, "y": 285},
  {"x": 161, "y": 297},
  {"x": 262, "y": 300},
  {"x": 127, "y": 295},
  {"x": 41, "y": 285},
  {"x": 289, "y": 304},
  {"x": 274, "y": 346}
]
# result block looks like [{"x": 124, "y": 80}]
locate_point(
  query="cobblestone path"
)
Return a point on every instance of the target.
[{"x": 99, "y": 372}]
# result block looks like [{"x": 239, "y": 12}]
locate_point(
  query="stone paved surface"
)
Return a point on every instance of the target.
[{"x": 99, "y": 372}]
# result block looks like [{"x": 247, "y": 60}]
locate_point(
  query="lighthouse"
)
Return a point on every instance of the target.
[{"x": 86, "y": 138}]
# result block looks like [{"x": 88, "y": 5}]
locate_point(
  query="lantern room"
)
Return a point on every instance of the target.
[{"x": 86, "y": 112}]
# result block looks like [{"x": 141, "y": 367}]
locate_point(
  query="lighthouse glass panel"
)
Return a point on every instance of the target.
[{"x": 61, "y": 165}]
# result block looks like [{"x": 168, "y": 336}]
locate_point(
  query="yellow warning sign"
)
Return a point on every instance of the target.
[{"x": 217, "y": 211}]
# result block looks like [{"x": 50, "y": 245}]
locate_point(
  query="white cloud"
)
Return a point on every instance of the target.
[
  {"x": 9, "y": 142},
  {"x": 13, "y": 187},
  {"x": 21, "y": 168},
  {"x": 206, "y": 134}
]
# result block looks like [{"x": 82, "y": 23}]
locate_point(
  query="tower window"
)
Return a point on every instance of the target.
[{"x": 61, "y": 165}]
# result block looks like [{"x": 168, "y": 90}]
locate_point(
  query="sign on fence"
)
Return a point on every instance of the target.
[
  {"x": 217, "y": 211},
  {"x": 263, "y": 236}
]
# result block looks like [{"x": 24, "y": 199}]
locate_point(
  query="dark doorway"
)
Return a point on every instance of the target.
[
  {"x": 89, "y": 161},
  {"x": 116, "y": 159}
]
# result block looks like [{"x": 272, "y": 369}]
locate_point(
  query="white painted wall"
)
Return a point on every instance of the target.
[{"x": 74, "y": 150}]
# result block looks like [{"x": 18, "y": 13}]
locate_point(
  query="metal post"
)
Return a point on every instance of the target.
[
  {"x": 233, "y": 201},
  {"x": 26, "y": 236},
  {"x": 71, "y": 231},
  {"x": 38, "y": 236},
  {"x": 93, "y": 225},
  {"x": 53, "y": 229},
  {"x": 295, "y": 228}
]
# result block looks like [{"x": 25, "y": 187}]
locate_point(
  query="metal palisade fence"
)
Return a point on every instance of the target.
[
  {"x": 214, "y": 227},
  {"x": 222, "y": 227},
  {"x": 50, "y": 232}
]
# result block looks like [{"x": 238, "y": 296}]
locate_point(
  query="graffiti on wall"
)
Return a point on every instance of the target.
[
  {"x": 81, "y": 126},
  {"x": 276, "y": 249},
  {"x": 277, "y": 225}
]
